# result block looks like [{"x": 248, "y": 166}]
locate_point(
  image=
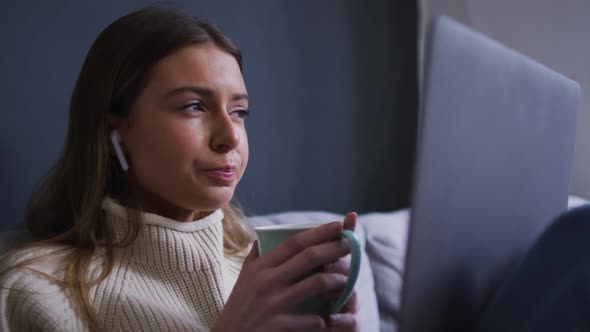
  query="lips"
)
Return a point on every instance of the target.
[{"x": 225, "y": 173}]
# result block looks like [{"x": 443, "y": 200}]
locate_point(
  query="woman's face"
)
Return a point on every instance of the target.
[{"x": 185, "y": 135}]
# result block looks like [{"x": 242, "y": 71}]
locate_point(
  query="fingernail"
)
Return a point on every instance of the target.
[
  {"x": 334, "y": 318},
  {"x": 329, "y": 267}
]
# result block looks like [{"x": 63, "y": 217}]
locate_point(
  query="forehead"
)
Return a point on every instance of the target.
[{"x": 204, "y": 65}]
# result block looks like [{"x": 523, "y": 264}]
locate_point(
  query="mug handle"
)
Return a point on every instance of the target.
[{"x": 355, "y": 264}]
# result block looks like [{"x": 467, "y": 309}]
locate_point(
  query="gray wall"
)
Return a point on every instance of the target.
[
  {"x": 332, "y": 83},
  {"x": 554, "y": 32}
]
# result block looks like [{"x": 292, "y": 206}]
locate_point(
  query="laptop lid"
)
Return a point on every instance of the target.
[{"x": 493, "y": 169}]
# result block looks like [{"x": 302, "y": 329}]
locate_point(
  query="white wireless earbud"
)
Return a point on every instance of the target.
[{"x": 116, "y": 139}]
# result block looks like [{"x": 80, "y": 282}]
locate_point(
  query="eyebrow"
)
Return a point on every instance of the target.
[{"x": 205, "y": 92}]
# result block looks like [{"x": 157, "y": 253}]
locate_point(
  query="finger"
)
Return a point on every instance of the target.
[
  {"x": 300, "y": 242},
  {"x": 351, "y": 306},
  {"x": 342, "y": 322},
  {"x": 312, "y": 286},
  {"x": 341, "y": 266},
  {"x": 296, "y": 323},
  {"x": 310, "y": 259},
  {"x": 350, "y": 221}
]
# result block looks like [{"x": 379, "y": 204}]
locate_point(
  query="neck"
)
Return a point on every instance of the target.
[{"x": 149, "y": 202}]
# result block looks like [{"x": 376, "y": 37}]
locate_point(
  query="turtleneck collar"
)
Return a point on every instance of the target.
[{"x": 167, "y": 243}]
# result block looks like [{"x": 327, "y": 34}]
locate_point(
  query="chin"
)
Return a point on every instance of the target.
[{"x": 215, "y": 199}]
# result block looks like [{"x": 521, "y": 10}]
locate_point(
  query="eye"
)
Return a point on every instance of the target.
[
  {"x": 241, "y": 113},
  {"x": 194, "y": 106}
]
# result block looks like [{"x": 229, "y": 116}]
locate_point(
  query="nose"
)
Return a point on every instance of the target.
[{"x": 224, "y": 136}]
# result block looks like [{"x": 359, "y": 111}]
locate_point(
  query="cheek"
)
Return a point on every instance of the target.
[
  {"x": 185, "y": 141},
  {"x": 244, "y": 151},
  {"x": 164, "y": 147}
]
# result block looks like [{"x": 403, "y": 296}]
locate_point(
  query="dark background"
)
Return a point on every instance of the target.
[{"x": 333, "y": 88}]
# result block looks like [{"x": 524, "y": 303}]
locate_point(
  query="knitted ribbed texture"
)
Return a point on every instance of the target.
[{"x": 173, "y": 277}]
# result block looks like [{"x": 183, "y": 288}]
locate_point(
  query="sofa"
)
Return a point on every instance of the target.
[{"x": 383, "y": 242}]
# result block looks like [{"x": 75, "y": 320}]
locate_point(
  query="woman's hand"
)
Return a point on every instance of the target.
[
  {"x": 270, "y": 287},
  {"x": 346, "y": 320}
]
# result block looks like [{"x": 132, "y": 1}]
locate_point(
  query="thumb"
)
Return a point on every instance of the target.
[
  {"x": 350, "y": 221},
  {"x": 253, "y": 255}
]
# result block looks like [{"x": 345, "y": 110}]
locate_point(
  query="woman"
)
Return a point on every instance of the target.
[{"x": 135, "y": 223}]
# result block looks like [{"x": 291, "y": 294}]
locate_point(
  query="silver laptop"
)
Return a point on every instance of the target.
[{"x": 493, "y": 170}]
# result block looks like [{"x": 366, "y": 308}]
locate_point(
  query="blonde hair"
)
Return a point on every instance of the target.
[{"x": 66, "y": 209}]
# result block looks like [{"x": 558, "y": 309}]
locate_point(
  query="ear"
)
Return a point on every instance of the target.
[{"x": 117, "y": 122}]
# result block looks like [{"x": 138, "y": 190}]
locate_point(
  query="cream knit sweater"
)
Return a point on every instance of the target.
[{"x": 174, "y": 277}]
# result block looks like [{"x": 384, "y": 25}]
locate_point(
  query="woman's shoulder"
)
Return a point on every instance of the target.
[
  {"x": 239, "y": 255},
  {"x": 46, "y": 259},
  {"x": 235, "y": 261},
  {"x": 31, "y": 270},
  {"x": 31, "y": 295}
]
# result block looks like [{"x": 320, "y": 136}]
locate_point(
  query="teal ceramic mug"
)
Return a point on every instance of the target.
[{"x": 271, "y": 236}]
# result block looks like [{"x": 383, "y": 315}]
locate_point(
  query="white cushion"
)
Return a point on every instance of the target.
[
  {"x": 575, "y": 201},
  {"x": 386, "y": 235},
  {"x": 365, "y": 287}
]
